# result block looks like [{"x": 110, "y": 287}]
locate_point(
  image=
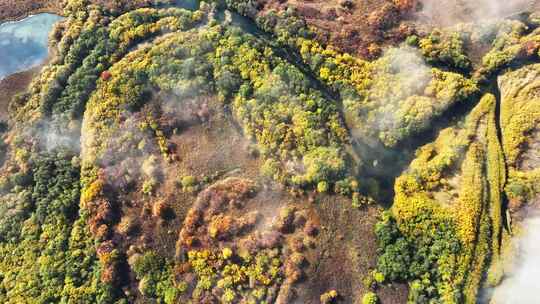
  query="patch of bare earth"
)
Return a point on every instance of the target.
[
  {"x": 346, "y": 253},
  {"x": 530, "y": 157},
  {"x": 210, "y": 149},
  {"x": 12, "y": 85}
]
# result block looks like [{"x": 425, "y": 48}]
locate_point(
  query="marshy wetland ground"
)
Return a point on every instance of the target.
[{"x": 266, "y": 151}]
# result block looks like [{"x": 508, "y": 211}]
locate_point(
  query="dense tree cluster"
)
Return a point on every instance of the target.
[
  {"x": 445, "y": 49},
  {"x": 155, "y": 277},
  {"x": 418, "y": 94},
  {"x": 47, "y": 253},
  {"x": 393, "y": 97},
  {"x": 446, "y": 231}
]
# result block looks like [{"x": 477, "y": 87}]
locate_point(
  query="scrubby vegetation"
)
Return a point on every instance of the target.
[
  {"x": 156, "y": 279},
  {"x": 363, "y": 85},
  {"x": 233, "y": 255},
  {"x": 509, "y": 43},
  {"x": 520, "y": 120},
  {"x": 446, "y": 220},
  {"x": 445, "y": 49},
  {"x": 367, "y": 99}
]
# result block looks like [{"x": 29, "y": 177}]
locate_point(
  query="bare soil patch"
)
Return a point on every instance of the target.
[
  {"x": 530, "y": 157},
  {"x": 346, "y": 253},
  {"x": 12, "y": 85}
]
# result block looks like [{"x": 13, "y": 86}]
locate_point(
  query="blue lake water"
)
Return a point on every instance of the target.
[{"x": 23, "y": 44}]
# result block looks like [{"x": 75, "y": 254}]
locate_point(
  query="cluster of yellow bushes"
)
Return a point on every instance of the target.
[
  {"x": 520, "y": 124},
  {"x": 472, "y": 155}
]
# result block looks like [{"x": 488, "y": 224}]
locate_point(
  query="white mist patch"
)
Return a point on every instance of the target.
[
  {"x": 52, "y": 136},
  {"x": 455, "y": 11},
  {"x": 522, "y": 284}
]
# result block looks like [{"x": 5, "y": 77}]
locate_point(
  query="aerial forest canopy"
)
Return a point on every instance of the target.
[{"x": 229, "y": 152}]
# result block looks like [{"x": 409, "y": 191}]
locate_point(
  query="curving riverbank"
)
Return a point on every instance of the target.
[
  {"x": 11, "y": 10},
  {"x": 25, "y": 51}
]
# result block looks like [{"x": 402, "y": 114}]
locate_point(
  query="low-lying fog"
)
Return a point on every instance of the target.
[{"x": 523, "y": 284}]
